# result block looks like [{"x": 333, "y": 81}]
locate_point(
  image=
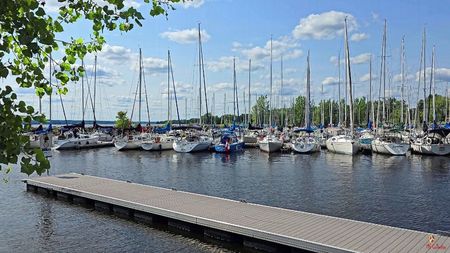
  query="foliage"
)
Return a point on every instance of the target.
[
  {"x": 28, "y": 36},
  {"x": 122, "y": 120}
]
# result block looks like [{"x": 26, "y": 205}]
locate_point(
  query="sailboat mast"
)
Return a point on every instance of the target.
[
  {"x": 403, "y": 79},
  {"x": 50, "y": 83},
  {"x": 82, "y": 94},
  {"x": 433, "y": 78},
  {"x": 140, "y": 84},
  {"x": 270, "y": 100},
  {"x": 322, "y": 109},
  {"x": 425, "y": 113},
  {"x": 416, "y": 112},
  {"x": 168, "y": 86},
  {"x": 200, "y": 74},
  {"x": 249, "y": 93},
  {"x": 234, "y": 90},
  {"x": 349, "y": 77},
  {"x": 339, "y": 90},
  {"x": 95, "y": 87},
  {"x": 384, "y": 73},
  {"x": 307, "y": 101},
  {"x": 370, "y": 92},
  {"x": 281, "y": 90}
]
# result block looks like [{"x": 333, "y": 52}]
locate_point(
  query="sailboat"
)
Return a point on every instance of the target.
[
  {"x": 270, "y": 143},
  {"x": 435, "y": 141},
  {"x": 229, "y": 142},
  {"x": 306, "y": 143},
  {"x": 196, "y": 141},
  {"x": 75, "y": 137},
  {"x": 345, "y": 144},
  {"x": 162, "y": 140},
  {"x": 387, "y": 142},
  {"x": 132, "y": 138}
]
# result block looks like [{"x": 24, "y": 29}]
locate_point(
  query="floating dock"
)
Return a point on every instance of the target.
[{"x": 254, "y": 226}]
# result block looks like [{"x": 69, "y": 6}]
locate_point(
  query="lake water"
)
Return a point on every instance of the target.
[{"x": 410, "y": 192}]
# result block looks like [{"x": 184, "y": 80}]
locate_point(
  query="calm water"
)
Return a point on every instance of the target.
[{"x": 411, "y": 192}]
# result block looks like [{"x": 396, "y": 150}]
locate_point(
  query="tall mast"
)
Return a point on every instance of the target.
[
  {"x": 95, "y": 87},
  {"x": 281, "y": 90},
  {"x": 331, "y": 112},
  {"x": 403, "y": 79},
  {"x": 168, "y": 86},
  {"x": 234, "y": 90},
  {"x": 416, "y": 113},
  {"x": 140, "y": 84},
  {"x": 82, "y": 94},
  {"x": 50, "y": 82},
  {"x": 384, "y": 72},
  {"x": 322, "y": 109},
  {"x": 307, "y": 100},
  {"x": 200, "y": 74},
  {"x": 339, "y": 90},
  {"x": 349, "y": 78},
  {"x": 270, "y": 100},
  {"x": 372, "y": 113},
  {"x": 249, "y": 93},
  {"x": 425, "y": 113},
  {"x": 433, "y": 78}
]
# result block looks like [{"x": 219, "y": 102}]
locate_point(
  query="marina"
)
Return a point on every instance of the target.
[{"x": 284, "y": 230}]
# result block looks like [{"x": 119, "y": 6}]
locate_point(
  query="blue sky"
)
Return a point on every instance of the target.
[{"x": 242, "y": 29}]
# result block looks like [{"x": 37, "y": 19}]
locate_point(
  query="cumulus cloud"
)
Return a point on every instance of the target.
[
  {"x": 441, "y": 74},
  {"x": 191, "y": 3},
  {"x": 324, "y": 26},
  {"x": 330, "y": 80},
  {"x": 283, "y": 46},
  {"x": 185, "y": 36},
  {"x": 226, "y": 63},
  {"x": 359, "y": 59},
  {"x": 359, "y": 37},
  {"x": 366, "y": 77}
]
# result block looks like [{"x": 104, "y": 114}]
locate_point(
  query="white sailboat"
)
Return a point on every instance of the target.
[
  {"x": 386, "y": 142},
  {"x": 345, "y": 144},
  {"x": 133, "y": 140},
  {"x": 308, "y": 142},
  {"x": 270, "y": 143}
]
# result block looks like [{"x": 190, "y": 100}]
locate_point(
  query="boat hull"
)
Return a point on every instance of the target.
[
  {"x": 234, "y": 147},
  {"x": 270, "y": 146},
  {"x": 431, "y": 149},
  {"x": 346, "y": 147},
  {"x": 77, "y": 143},
  {"x": 304, "y": 148},
  {"x": 390, "y": 148},
  {"x": 188, "y": 147},
  {"x": 154, "y": 146}
]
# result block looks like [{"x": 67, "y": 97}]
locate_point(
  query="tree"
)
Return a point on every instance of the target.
[
  {"x": 28, "y": 36},
  {"x": 122, "y": 120}
]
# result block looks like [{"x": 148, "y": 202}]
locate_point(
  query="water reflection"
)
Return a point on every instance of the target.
[{"x": 45, "y": 225}]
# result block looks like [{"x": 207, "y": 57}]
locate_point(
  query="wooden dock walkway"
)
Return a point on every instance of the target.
[{"x": 250, "y": 224}]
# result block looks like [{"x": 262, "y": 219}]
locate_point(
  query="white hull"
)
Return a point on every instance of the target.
[
  {"x": 184, "y": 146},
  {"x": 270, "y": 146},
  {"x": 431, "y": 149},
  {"x": 126, "y": 143},
  {"x": 342, "y": 145},
  {"x": 152, "y": 146},
  {"x": 389, "y": 148},
  {"x": 77, "y": 143},
  {"x": 305, "y": 148}
]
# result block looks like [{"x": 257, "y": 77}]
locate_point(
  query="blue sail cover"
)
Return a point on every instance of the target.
[{"x": 162, "y": 130}]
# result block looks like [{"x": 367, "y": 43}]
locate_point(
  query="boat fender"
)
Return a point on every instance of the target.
[{"x": 428, "y": 141}]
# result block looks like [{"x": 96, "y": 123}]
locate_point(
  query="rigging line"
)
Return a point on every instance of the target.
[
  {"x": 146, "y": 96},
  {"x": 204, "y": 82},
  {"x": 174, "y": 90}
]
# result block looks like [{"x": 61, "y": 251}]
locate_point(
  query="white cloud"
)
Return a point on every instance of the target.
[
  {"x": 441, "y": 74},
  {"x": 359, "y": 36},
  {"x": 154, "y": 65},
  {"x": 324, "y": 26},
  {"x": 220, "y": 87},
  {"x": 185, "y": 36},
  {"x": 366, "y": 77},
  {"x": 116, "y": 54},
  {"x": 283, "y": 46},
  {"x": 330, "y": 81},
  {"x": 361, "y": 58},
  {"x": 226, "y": 63},
  {"x": 192, "y": 3}
]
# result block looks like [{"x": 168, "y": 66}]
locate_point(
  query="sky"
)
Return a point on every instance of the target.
[{"x": 242, "y": 30}]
